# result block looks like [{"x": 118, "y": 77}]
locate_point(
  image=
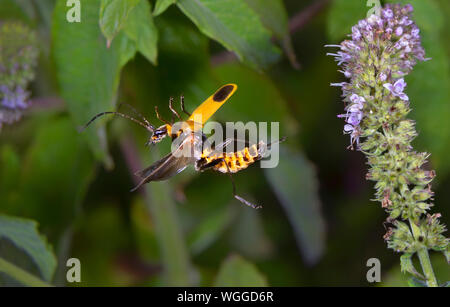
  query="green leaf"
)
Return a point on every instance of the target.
[
  {"x": 274, "y": 17},
  {"x": 342, "y": 16},
  {"x": 161, "y": 6},
  {"x": 113, "y": 15},
  {"x": 181, "y": 40},
  {"x": 236, "y": 26},
  {"x": 24, "y": 234},
  {"x": 272, "y": 14},
  {"x": 294, "y": 182},
  {"x": 128, "y": 49},
  {"x": 209, "y": 230},
  {"x": 10, "y": 9},
  {"x": 141, "y": 29},
  {"x": 9, "y": 172},
  {"x": 395, "y": 278},
  {"x": 60, "y": 155},
  {"x": 248, "y": 233},
  {"x": 184, "y": 55},
  {"x": 271, "y": 105},
  {"x": 144, "y": 231},
  {"x": 88, "y": 76},
  {"x": 105, "y": 236},
  {"x": 235, "y": 271},
  {"x": 407, "y": 265}
]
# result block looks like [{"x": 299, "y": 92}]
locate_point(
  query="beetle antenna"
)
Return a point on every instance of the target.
[
  {"x": 279, "y": 141},
  {"x": 149, "y": 128},
  {"x": 137, "y": 113}
]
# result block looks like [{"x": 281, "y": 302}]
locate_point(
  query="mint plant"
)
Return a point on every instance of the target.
[{"x": 381, "y": 52}]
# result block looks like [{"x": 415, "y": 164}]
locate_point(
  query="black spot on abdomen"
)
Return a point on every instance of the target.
[{"x": 223, "y": 93}]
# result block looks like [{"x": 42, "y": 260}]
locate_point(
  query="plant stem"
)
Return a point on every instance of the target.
[
  {"x": 21, "y": 275},
  {"x": 424, "y": 258},
  {"x": 426, "y": 267},
  {"x": 174, "y": 254},
  {"x": 178, "y": 270}
]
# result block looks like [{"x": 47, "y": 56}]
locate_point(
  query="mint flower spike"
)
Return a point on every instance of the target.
[
  {"x": 380, "y": 52},
  {"x": 18, "y": 57}
]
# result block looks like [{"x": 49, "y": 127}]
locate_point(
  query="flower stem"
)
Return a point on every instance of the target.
[
  {"x": 424, "y": 258},
  {"x": 426, "y": 267}
]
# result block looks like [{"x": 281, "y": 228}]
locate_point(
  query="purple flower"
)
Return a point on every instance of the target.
[
  {"x": 338, "y": 84},
  {"x": 394, "y": 20},
  {"x": 348, "y": 128},
  {"x": 12, "y": 104},
  {"x": 357, "y": 99},
  {"x": 347, "y": 74},
  {"x": 356, "y": 34},
  {"x": 393, "y": 35},
  {"x": 397, "y": 89},
  {"x": 13, "y": 99},
  {"x": 388, "y": 13},
  {"x": 354, "y": 118},
  {"x": 354, "y": 134},
  {"x": 17, "y": 65},
  {"x": 341, "y": 57}
]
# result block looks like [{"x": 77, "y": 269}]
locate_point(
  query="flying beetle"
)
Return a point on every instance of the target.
[{"x": 189, "y": 137}]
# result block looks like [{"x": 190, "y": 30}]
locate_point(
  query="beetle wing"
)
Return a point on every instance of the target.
[
  {"x": 166, "y": 167},
  {"x": 148, "y": 170},
  {"x": 212, "y": 104}
]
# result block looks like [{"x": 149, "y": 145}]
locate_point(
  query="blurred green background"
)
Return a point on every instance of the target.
[{"x": 318, "y": 225}]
